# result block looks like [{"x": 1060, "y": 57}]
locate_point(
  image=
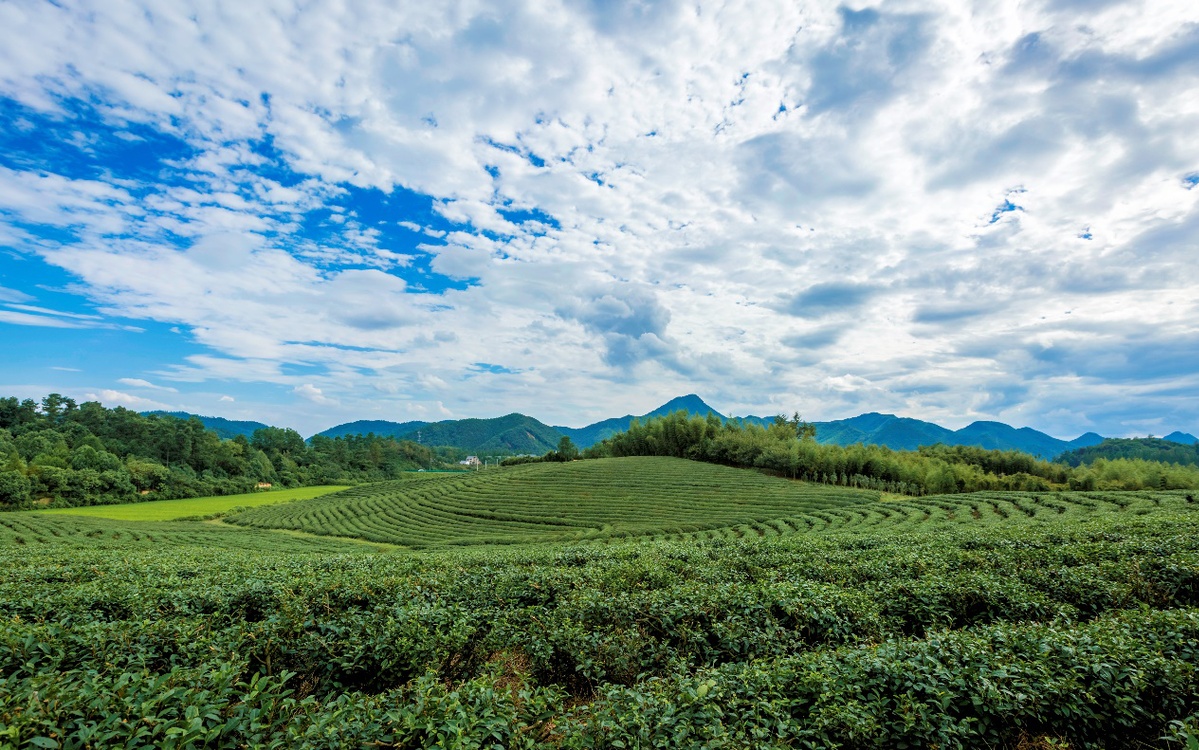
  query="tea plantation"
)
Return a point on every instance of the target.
[
  {"x": 636, "y": 603},
  {"x": 601, "y": 499}
]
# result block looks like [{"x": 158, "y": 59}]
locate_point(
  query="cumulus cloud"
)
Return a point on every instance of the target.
[
  {"x": 312, "y": 393},
  {"x": 768, "y": 204},
  {"x": 819, "y": 300},
  {"x": 630, "y": 321}
]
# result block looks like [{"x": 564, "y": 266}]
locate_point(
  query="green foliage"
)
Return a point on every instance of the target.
[
  {"x": 1111, "y": 683},
  {"x": 14, "y": 488},
  {"x": 551, "y": 501},
  {"x": 73, "y": 455},
  {"x": 1069, "y": 618},
  {"x": 670, "y": 604},
  {"x": 1142, "y": 449},
  {"x": 520, "y": 460},
  {"x": 786, "y": 447},
  {"x": 566, "y": 451},
  {"x": 513, "y": 433}
]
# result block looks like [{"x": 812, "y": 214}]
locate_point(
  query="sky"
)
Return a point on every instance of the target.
[{"x": 310, "y": 213}]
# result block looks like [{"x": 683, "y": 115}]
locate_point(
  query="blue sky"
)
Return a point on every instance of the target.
[{"x": 306, "y": 215}]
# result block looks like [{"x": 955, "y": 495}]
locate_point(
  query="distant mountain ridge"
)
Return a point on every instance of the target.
[
  {"x": 1146, "y": 449},
  {"x": 226, "y": 429},
  {"x": 585, "y": 437},
  {"x": 377, "y": 427},
  {"x": 519, "y": 433},
  {"x": 512, "y": 433},
  {"x": 904, "y": 433},
  {"x": 898, "y": 433}
]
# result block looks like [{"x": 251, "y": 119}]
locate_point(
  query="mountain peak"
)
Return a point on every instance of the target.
[{"x": 691, "y": 403}]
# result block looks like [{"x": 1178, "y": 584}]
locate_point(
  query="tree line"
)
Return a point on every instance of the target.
[
  {"x": 59, "y": 453},
  {"x": 787, "y": 446}
]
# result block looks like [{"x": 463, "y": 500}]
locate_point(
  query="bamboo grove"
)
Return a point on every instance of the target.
[{"x": 788, "y": 448}]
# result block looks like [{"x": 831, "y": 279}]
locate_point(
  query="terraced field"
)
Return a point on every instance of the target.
[
  {"x": 688, "y": 605},
  {"x": 601, "y": 499},
  {"x": 52, "y": 532},
  {"x": 643, "y": 497},
  {"x": 978, "y": 509}
]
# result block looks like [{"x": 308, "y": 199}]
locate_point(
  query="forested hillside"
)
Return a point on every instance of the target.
[
  {"x": 1145, "y": 449},
  {"x": 506, "y": 435},
  {"x": 789, "y": 447},
  {"x": 378, "y": 427},
  {"x": 59, "y": 453},
  {"x": 226, "y": 429}
]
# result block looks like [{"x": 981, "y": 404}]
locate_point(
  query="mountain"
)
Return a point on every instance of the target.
[
  {"x": 905, "y": 433},
  {"x": 522, "y": 434},
  {"x": 999, "y": 436},
  {"x": 1181, "y": 437},
  {"x": 585, "y": 437},
  {"x": 513, "y": 433},
  {"x": 1147, "y": 449},
  {"x": 227, "y": 429},
  {"x": 379, "y": 427},
  {"x": 899, "y": 433}
]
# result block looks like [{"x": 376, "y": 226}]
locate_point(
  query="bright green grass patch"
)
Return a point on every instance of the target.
[{"x": 170, "y": 510}]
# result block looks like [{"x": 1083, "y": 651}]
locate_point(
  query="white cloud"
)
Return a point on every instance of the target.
[
  {"x": 12, "y": 295},
  {"x": 312, "y": 393},
  {"x": 36, "y": 316},
  {"x": 113, "y": 398},
  {"x": 139, "y": 383},
  {"x": 760, "y": 203}
]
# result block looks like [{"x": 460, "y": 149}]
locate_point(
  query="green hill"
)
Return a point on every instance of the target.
[
  {"x": 226, "y": 429},
  {"x": 513, "y": 433},
  {"x": 378, "y": 427},
  {"x": 904, "y": 433},
  {"x": 585, "y": 437},
  {"x": 510, "y": 434},
  {"x": 604, "y": 498},
  {"x": 1146, "y": 449}
]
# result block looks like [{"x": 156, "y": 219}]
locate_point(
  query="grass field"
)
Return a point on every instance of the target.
[{"x": 170, "y": 510}]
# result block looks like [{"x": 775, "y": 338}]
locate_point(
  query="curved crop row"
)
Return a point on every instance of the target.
[
  {"x": 610, "y": 498},
  {"x": 613, "y": 499},
  {"x": 31, "y": 531}
]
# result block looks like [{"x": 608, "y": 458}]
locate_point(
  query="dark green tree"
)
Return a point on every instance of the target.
[
  {"x": 14, "y": 488},
  {"x": 566, "y": 449}
]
